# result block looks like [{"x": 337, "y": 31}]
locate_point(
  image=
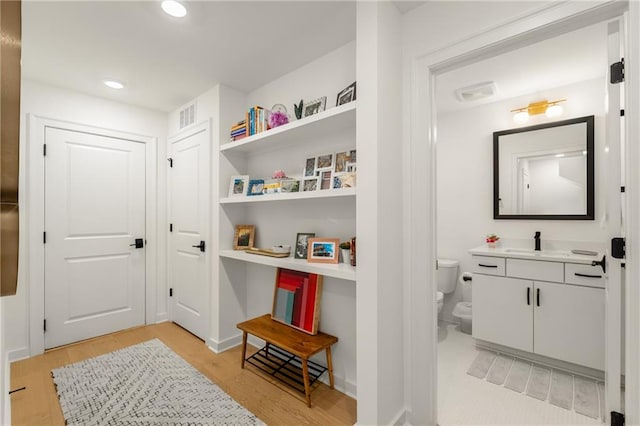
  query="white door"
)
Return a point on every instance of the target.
[
  {"x": 502, "y": 311},
  {"x": 189, "y": 249},
  {"x": 615, "y": 198},
  {"x": 94, "y": 211},
  {"x": 569, "y": 323}
]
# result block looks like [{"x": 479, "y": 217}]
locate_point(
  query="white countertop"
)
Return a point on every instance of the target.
[{"x": 548, "y": 255}]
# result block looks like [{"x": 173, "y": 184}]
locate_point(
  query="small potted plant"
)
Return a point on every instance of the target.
[
  {"x": 492, "y": 240},
  {"x": 345, "y": 248}
]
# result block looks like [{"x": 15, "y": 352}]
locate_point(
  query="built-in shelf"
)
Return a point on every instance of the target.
[
  {"x": 339, "y": 270},
  {"x": 331, "y": 120},
  {"x": 326, "y": 193}
]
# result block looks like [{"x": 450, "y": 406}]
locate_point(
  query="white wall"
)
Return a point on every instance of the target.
[
  {"x": 61, "y": 104},
  {"x": 465, "y": 180}
]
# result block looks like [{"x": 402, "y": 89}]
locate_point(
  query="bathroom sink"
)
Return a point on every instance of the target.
[{"x": 539, "y": 252}]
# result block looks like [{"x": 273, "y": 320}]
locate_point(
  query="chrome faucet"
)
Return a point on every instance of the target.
[{"x": 537, "y": 238}]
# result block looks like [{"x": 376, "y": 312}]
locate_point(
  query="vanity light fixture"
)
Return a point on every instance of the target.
[
  {"x": 549, "y": 108},
  {"x": 113, "y": 84},
  {"x": 174, "y": 8}
]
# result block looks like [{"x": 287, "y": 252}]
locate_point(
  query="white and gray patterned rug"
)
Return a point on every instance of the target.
[{"x": 144, "y": 384}]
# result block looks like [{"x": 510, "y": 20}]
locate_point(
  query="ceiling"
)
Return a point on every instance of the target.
[
  {"x": 165, "y": 62},
  {"x": 570, "y": 58}
]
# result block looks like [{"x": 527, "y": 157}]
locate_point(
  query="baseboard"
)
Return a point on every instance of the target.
[
  {"x": 164, "y": 317},
  {"x": 401, "y": 418},
  {"x": 340, "y": 383},
  {"x": 17, "y": 354},
  {"x": 224, "y": 345},
  {"x": 6, "y": 387}
]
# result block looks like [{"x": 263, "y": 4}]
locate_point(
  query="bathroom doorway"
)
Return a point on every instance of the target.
[{"x": 484, "y": 382}]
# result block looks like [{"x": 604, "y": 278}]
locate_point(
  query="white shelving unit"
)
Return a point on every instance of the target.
[
  {"x": 341, "y": 270},
  {"x": 341, "y": 117},
  {"x": 327, "y": 193}
]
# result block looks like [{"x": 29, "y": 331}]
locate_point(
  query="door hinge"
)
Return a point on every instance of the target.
[
  {"x": 170, "y": 160},
  {"x": 617, "y": 419},
  {"x": 622, "y": 189},
  {"x": 44, "y": 237},
  {"x": 171, "y": 227},
  {"x": 618, "y": 247},
  {"x": 617, "y": 72},
  {"x": 621, "y": 113},
  {"x": 44, "y": 325},
  {"x": 44, "y": 149},
  {"x": 170, "y": 292}
]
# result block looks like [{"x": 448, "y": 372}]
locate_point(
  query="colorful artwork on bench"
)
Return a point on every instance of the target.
[{"x": 296, "y": 299}]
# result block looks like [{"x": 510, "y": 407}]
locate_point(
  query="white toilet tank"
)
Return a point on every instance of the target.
[{"x": 447, "y": 275}]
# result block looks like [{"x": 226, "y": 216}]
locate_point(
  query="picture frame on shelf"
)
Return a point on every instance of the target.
[
  {"x": 289, "y": 185},
  {"x": 342, "y": 159},
  {"x": 244, "y": 237},
  {"x": 344, "y": 180},
  {"x": 296, "y": 299},
  {"x": 256, "y": 187},
  {"x": 315, "y": 106},
  {"x": 323, "y": 250},
  {"x": 302, "y": 244},
  {"x": 310, "y": 184},
  {"x": 310, "y": 167},
  {"x": 324, "y": 162},
  {"x": 351, "y": 167},
  {"x": 238, "y": 186},
  {"x": 325, "y": 179},
  {"x": 346, "y": 95}
]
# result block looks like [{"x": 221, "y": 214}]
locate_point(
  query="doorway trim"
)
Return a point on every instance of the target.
[
  {"x": 554, "y": 19},
  {"x": 35, "y": 206}
]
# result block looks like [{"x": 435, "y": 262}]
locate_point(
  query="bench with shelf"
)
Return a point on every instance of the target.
[{"x": 293, "y": 364}]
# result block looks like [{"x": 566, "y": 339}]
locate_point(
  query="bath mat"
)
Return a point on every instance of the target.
[
  {"x": 481, "y": 364},
  {"x": 559, "y": 388},
  {"x": 561, "y": 393},
  {"x": 519, "y": 376},
  {"x": 538, "y": 386},
  {"x": 143, "y": 384},
  {"x": 499, "y": 370}
]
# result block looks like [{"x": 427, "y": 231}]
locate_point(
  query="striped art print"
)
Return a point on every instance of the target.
[{"x": 296, "y": 299}]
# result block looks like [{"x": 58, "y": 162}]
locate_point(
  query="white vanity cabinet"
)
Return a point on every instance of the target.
[{"x": 541, "y": 306}]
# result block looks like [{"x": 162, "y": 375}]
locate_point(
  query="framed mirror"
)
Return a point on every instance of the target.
[{"x": 545, "y": 171}]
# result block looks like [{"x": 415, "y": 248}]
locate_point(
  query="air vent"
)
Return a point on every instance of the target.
[
  {"x": 476, "y": 92},
  {"x": 188, "y": 115}
]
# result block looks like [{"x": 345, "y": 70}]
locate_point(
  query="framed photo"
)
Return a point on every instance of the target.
[
  {"x": 310, "y": 167},
  {"x": 324, "y": 162},
  {"x": 347, "y": 95},
  {"x": 351, "y": 167},
  {"x": 301, "y": 244},
  {"x": 238, "y": 186},
  {"x": 315, "y": 106},
  {"x": 289, "y": 185},
  {"x": 296, "y": 299},
  {"x": 325, "y": 179},
  {"x": 256, "y": 187},
  {"x": 344, "y": 180},
  {"x": 244, "y": 237},
  {"x": 310, "y": 184},
  {"x": 344, "y": 158},
  {"x": 323, "y": 250}
]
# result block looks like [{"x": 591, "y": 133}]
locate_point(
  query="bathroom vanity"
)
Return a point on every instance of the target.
[{"x": 550, "y": 303}]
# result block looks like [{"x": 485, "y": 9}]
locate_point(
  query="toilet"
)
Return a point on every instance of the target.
[
  {"x": 462, "y": 310},
  {"x": 447, "y": 279}
]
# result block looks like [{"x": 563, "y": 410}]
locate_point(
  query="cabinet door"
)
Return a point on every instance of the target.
[
  {"x": 569, "y": 323},
  {"x": 501, "y": 313}
]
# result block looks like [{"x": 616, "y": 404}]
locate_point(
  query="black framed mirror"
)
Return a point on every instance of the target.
[{"x": 545, "y": 171}]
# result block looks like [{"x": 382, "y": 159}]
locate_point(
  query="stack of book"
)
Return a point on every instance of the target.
[
  {"x": 239, "y": 130},
  {"x": 257, "y": 120}
]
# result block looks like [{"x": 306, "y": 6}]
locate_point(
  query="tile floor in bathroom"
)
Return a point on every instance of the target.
[{"x": 466, "y": 400}]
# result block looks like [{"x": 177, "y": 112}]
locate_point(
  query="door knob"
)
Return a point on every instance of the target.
[
  {"x": 602, "y": 263},
  {"x": 200, "y": 246},
  {"x": 138, "y": 244}
]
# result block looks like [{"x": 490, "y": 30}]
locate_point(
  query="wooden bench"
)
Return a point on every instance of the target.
[{"x": 293, "y": 341}]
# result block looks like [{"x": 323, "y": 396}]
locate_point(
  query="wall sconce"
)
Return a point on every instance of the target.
[{"x": 549, "y": 108}]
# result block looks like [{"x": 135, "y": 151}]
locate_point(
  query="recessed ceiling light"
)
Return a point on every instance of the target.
[
  {"x": 113, "y": 84},
  {"x": 174, "y": 8}
]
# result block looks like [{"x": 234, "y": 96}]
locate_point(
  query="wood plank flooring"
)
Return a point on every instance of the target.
[{"x": 274, "y": 405}]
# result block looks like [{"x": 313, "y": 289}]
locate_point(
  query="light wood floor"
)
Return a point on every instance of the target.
[{"x": 38, "y": 403}]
